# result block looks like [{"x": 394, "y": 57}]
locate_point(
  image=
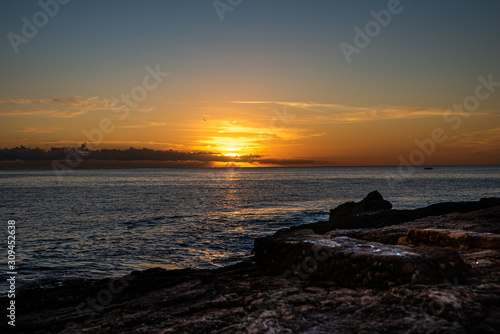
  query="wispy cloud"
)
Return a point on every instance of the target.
[
  {"x": 65, "y": 107},
  {"x": 252, "y": 135},
  {"x": 480, "y": 140},
  {"x": 143, "y": 124},
  {"x": 11, "y": 141},
  {"x": 338, "y": 113},
  {"x": 44, "y": 112},
  {"x": 232, "y": 144},
  {"x": 117, "y": 142},
  {"x": 75, "y": 102},
  {"x": 39, "y": 129},
  {"x": 19, "y": 101}
]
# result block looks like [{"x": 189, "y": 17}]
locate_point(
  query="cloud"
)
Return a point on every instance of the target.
[
  {"x": 91, "y": 103},
  {"x": 338, "y": 113},
  {"x": 66, "y": 107},
  {"x": 143, "y": 109},
  {"x": 64, "y": 142},
  {"x": 143, "y": 124},
  {"x": 12, "y": 141},
  {"x": 115, "y": 142},
  {"x": 19, "y": 101},
  {"x": 44, "y": 112},
  {"x": 75, "y": 102},
  {"x": 250, "y": 135},
  {"x": 39, "y": 129},
  {"x": 481, "y": 140}
]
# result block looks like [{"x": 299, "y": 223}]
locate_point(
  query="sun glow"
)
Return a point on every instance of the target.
[{"x": 230, "y": 147}]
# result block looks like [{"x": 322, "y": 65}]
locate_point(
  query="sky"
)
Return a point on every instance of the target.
[{"x": 325, "y": 83}]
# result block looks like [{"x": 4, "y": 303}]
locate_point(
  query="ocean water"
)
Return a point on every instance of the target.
[{"x": 105, "y": 223}]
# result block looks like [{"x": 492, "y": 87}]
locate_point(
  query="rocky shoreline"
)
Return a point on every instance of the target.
[{"x": 369, "y": 269}]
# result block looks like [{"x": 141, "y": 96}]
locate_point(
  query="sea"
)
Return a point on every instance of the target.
[{"x": 92, "y": 224}]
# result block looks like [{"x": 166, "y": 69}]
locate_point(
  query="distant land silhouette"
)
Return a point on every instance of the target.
[{"x": 27, "y": 157}]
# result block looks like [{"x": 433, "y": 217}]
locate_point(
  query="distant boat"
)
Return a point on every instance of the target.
[{"x": 428, "y": 168}]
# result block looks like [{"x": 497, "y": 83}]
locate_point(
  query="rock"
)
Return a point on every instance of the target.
[
  {"x": 303, "y": 255},
  {"x": 481, "y": 221},
  {"x": 382, "y": 218},
  {"x": 241, "y": 299},
  {"x": 452, "y": 238},
  {"x": 487, "y": 261},
  {"x": 372, "y": 202}
]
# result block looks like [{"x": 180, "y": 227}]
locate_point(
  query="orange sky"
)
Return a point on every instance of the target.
[{"x": 327, "y": 134}]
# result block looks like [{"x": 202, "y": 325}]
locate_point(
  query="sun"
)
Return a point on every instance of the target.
[
  {"x": 231, "y": 147},
  {"x": 238, "y": 150},
  {"x": 233, "y": 141}
]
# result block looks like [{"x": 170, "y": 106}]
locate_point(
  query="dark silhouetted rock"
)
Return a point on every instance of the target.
[
  {"x": 354, "y": 263},
  {"x": 372, "y": 202},
  {"x": 378, "y": 219}
]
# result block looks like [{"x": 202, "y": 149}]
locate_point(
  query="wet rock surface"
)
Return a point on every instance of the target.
[
  {"x": 482, "y": 221},
  {"x": 246, "y": 299},
  {"x": 355, "y": 263},
  {"x": 452, "y": 238}
]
